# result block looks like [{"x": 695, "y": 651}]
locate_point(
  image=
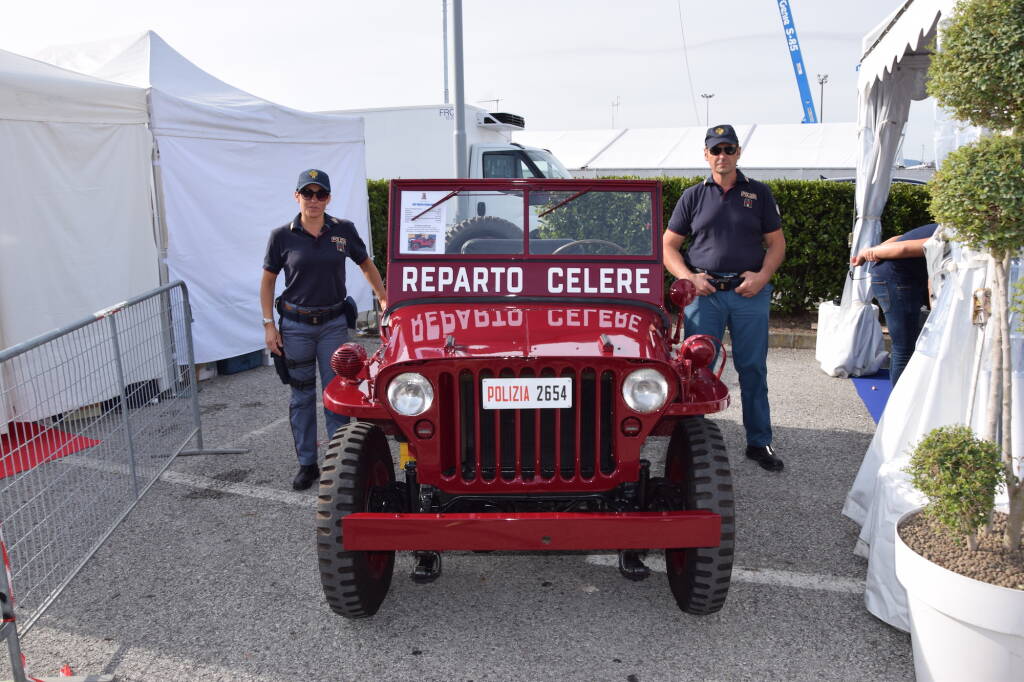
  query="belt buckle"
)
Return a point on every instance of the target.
[{"x": 315, "y": 319}]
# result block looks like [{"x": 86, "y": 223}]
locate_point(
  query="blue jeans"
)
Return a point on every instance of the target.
[
  {"x": 747, "y": 320},
  {"x": 901, "y": 305},
  {"x": 302, "y": 343}
]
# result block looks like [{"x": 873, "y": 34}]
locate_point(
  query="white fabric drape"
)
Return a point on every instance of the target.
[{"x": 945, "y": 382}]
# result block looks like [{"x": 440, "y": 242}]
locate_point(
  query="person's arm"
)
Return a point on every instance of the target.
[
  {"x": 372, "y": 275},
  {"x": 671, "y": 242},
  {"x": 890, "y": 250},
  {"x": 753, "y": 282},
  {"x": 270, "y": 334}
]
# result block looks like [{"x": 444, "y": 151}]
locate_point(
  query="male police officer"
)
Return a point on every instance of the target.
[{"x": 735, "y": 245}]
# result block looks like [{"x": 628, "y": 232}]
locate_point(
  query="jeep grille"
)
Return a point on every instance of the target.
[{"x": 570, "y": 443}]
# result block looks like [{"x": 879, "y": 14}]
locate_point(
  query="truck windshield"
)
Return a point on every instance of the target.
[{"x": 548, "y": 164}]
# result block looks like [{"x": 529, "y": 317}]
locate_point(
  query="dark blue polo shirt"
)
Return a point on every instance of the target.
[
  {"x": 725, "y": 230},
  {"x": 314, "y": 267},
  {"x": 906, "y": 271}
]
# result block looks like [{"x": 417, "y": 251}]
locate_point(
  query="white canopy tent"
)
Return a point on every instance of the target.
[
  {"x": 226, "y": 167},
  {"x": 76, "y": 212},
  {"x": 574, "y": 148},
  {"x": 947, "y": 379},
  {"x": 769, "y": 150},
  {"x": 892, "y": 73},
  {"x": 798, "y": 145}
]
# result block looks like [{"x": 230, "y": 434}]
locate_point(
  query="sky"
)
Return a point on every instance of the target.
[{"x": 562, "y": 64}]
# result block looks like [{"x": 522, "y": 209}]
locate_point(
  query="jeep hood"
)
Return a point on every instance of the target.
[{"x": 445, "y": 331}]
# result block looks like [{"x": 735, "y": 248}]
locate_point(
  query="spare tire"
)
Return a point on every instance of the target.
[{"x": 480, "y": 227}]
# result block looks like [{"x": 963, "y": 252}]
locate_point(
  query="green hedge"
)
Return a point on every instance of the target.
[{"x": 817, "y": 218}]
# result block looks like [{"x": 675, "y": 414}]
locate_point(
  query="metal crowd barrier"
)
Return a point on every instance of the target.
[{"x": 90, "y": 416}]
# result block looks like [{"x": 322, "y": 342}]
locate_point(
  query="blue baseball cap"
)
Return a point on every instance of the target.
[
  {"x": 313, "y": 177},
  {"x": 719, "y": 134}
]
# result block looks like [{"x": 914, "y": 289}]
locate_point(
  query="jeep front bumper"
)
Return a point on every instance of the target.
[{"x": 368, "y": 531}]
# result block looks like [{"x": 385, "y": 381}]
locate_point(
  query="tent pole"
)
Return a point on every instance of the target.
[{"x": 159, "y": 216}]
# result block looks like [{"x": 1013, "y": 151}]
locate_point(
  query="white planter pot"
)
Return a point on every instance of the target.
[{"x": 961, "y": 628}]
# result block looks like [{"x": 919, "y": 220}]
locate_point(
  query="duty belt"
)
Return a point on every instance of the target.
[
  {"x": 722, "y": 281},
  {"x": 307, "y": 315}
]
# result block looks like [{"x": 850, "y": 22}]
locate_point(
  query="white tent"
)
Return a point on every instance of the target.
[
  {"x": 799, "y": 145},
  {"x": 769, "y": 150},
  {"x": 227, "y": 164},
  {"x": 947, "y": 379},
  {"x": 574, "y": 148},
  {"x": 76, "y": 216},
  {"x": 892, "y": 73}
]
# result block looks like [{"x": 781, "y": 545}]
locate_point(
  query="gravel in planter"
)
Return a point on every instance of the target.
[{"x": 990, "y": 563}]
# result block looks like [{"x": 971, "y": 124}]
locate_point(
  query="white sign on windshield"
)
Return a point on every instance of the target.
[{"x": 422, "y": 227}]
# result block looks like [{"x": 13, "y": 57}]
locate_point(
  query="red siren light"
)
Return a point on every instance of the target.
[
  {"x": 700, "y": 350},
  {"x": 348, "y": 361}
]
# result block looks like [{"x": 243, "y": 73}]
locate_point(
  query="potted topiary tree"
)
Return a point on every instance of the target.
[
  {"x": 965, "y": 628},
  {"x": 979, "y": 191},
  {"x": 966, "y": 607}
]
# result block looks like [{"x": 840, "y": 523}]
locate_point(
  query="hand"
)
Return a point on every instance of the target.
[
  {"x": 752, "y": 284},
  {"x": 272, "y": 338},
  {"x": 868, "y": 254},
  {"x": 700, "y": 283}
]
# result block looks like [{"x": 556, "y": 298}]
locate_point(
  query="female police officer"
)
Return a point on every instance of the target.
[{"x": 311, "y": 250}]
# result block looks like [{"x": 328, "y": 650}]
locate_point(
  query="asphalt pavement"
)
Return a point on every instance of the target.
[{"x": 214, "y": 575}]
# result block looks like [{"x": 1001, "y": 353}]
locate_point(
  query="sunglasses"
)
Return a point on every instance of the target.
[
  {"x": 729, "y": 149},
  {"x": 320, "y": 194}
]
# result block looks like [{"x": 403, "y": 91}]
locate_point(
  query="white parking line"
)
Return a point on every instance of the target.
[
  {"x": 760, "y": 576},
  {"x": 272, "y": 426},
  {"x": 244, "y": 489}
]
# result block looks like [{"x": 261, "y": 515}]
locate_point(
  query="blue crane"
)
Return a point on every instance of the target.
[{"x": 789, "y": 28}]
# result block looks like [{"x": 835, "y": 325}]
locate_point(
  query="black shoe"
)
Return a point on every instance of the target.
[
  {"x": 308, "y": 474},
  {"x": 632, "y": 567},
  {"x": 765, "y": 456},
  {"x": 427, "y": 568}
]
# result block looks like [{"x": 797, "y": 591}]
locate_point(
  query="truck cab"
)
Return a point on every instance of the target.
[{"x": 513, "y": 160}]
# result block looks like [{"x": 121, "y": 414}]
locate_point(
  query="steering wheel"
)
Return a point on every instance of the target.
[{"x": 595, "y": 246}]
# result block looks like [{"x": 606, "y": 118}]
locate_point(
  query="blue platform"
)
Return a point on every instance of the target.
[{"x": 874, "y": 391}]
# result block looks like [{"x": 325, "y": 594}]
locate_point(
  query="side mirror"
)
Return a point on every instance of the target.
[{"x": 682, "y": 293}]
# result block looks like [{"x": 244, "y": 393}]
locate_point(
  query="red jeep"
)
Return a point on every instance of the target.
[
  {"x": 421, "y": 241},
  {"x": 520, "y": 371}
]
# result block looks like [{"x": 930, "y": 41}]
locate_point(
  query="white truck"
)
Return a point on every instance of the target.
[{"x": 419, "y": 142}]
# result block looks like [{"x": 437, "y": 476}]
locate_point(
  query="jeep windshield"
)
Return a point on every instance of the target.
[{"x": 610, "y": 232}]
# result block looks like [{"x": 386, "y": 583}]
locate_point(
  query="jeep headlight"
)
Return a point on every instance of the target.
[
  {"x": 645, "y": 390},
  {"x": 410, "y": 394}
]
